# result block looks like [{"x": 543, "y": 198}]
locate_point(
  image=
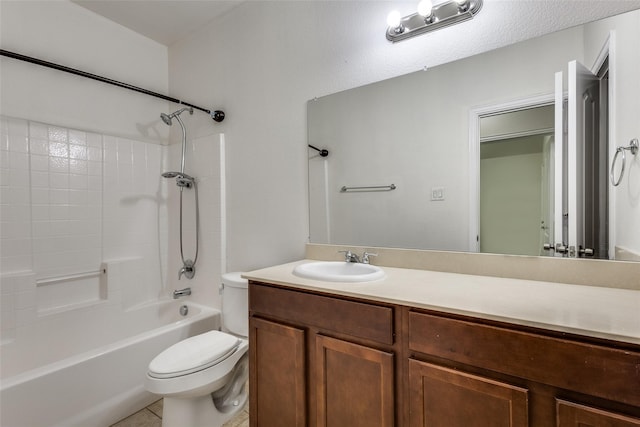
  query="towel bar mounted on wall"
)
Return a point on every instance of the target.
[
  {"x": 370, "y": 188},
  {"x": 633, "y": 147}
]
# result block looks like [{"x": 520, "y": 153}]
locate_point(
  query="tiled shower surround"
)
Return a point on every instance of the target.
[
  {"x": 89, "y": 258},
  {"x": 70, "y": 200}
]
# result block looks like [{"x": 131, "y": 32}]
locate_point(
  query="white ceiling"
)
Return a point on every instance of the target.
[
  {"x": 165, "y": 21},
  {"x": 168, "y": 21}
]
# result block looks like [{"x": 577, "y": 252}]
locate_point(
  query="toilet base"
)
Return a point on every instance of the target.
[{"x": 197, "y": 412}]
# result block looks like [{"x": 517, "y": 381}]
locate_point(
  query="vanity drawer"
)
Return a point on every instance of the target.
[
  {"x": 358, "y": 319},
  {"x": 570, "y": 364}
]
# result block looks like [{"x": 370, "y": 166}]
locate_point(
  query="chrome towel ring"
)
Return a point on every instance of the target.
[{"x": 633, "y": 147}]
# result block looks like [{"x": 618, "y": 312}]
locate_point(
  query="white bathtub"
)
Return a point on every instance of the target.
[{"x": 87, "y": 367}]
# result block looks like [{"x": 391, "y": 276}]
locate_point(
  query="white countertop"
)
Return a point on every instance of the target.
[{"x": 608, "y": 313}]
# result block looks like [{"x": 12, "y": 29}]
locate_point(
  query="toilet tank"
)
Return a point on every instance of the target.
[{"x": 235, "y": 304}]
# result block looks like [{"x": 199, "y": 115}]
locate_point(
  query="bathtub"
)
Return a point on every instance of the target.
[{"x": 87, "y": 367}]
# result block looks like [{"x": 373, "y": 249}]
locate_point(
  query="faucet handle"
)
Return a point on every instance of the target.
[
  {"x": 365, "y": 257},
  {"x": 350, "y": 256},
  {"x": 188, "y": 270}
]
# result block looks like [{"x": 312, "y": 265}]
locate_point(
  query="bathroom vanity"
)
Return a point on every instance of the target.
[{"x": 425, "y": 348}]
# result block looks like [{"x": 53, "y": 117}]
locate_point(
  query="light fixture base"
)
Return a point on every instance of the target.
[{"x": 442, "y": 15}]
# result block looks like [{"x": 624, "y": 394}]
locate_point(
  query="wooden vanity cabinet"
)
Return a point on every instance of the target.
[
  {"x": 331, "y": 361},
  {"x": 497, "y": 374},
  {"x": 317, "y": 360},
  {"x": 441, "y": 396},
  {"x": 278, "y": 377},
  {"x": 570, "y": 414},
  {"x": 354, "y": 384}
]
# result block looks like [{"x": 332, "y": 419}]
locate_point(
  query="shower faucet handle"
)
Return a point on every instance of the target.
[{"x": 188, "y": 270}]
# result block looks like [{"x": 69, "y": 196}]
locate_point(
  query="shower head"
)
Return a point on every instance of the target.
[
  {"x": 167, "y": 117},
  {"x": 181, "y": 177}
]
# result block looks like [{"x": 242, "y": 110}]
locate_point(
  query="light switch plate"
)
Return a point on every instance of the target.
[{"x": 437, "y": 193}]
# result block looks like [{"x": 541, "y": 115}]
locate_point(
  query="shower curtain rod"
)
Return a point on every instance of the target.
[{"x": 216, "y": 115}]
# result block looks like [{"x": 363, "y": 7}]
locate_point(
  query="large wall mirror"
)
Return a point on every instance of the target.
[{"x": 509, "y": 151}]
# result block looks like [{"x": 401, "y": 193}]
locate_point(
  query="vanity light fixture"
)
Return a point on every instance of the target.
[{"x": 430, "y": 17}]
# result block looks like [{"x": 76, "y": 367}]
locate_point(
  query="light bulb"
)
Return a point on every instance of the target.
[
  {"x": 425, "y": 7},
  {"x": 463, "y": 5},
  {"x": 393, "y": 19}
]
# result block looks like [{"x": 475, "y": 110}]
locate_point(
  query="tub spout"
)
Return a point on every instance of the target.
[{"x": 181, "y": 293}]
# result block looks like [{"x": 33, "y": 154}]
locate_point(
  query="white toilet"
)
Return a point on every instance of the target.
[{"x": 202, "y": 378}]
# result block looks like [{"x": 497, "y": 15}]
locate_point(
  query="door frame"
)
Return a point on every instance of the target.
[
  {"x": 608, "y": 50},
  {"x": 475, "y": 114}
]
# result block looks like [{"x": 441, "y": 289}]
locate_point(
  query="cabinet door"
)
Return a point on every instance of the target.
[
  {"x": 277, "y": 374},
  {"x": 441, "y": 397},
  {"x": 574, "y": 415},
  {"x": 354, "y": 385}
]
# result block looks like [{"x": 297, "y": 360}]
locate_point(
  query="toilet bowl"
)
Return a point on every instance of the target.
[{"x": 203, "y": 378}]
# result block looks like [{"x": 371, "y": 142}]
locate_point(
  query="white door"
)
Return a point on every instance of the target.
[
  {"x": 582, "y": 131},
  {"x": 559, "y": 170}
]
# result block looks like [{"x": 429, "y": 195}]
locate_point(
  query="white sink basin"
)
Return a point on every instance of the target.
[{"x": 339, "y": 271}]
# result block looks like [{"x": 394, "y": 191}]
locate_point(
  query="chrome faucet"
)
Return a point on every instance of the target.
[
  {"x": 188, "y": 270},
  {"x": 365, "y": 257},
  {"x": 350, "y": 256},
  {"x": 181, "y": 293}
]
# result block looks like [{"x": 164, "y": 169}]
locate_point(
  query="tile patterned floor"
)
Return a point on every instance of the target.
[{"x": 151, "y": 416}]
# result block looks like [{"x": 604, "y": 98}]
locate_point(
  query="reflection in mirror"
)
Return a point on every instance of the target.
[
  {"x": 414, "y": 132},
  {"x": 516, "y": 181}
]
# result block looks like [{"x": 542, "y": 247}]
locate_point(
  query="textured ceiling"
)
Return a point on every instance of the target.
[
  {"x": 163, "y": 21},
  {"x": 168, "y": 21}
]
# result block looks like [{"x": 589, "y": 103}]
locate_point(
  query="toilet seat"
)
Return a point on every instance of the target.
[{"x": 193, "y": 354}]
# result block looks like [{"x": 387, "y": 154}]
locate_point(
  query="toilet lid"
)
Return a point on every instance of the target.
[{"x": 193, "y": 354}]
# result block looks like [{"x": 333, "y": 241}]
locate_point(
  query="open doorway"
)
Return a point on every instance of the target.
[
  {"x": 516, "y": 180},
  {"x": 596, "y": 184}
]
